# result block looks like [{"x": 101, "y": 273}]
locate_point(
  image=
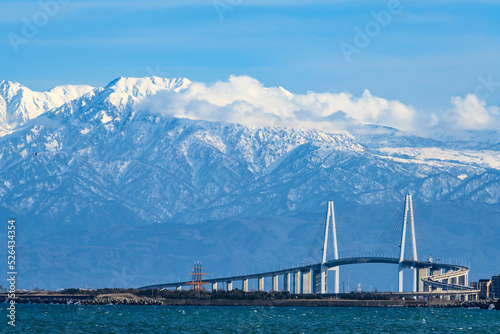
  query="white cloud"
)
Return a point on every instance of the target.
[
  {"x": 473, "y": 114},
  {"x": 467, "y": 118},
  {"x": 245, "y": 100}
]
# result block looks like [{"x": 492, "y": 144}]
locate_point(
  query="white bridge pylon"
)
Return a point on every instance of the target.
[
  {"x": 330, "y": 220},
  {"x": 330, "y": 225},
  {"x": 408, "y": 216}
]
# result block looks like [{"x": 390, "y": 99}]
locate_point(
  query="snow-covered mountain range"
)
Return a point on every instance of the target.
[{"x": 102, "y": 166}]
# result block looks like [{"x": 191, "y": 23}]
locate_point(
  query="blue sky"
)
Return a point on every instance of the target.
[{"x": 427, "y": 53}]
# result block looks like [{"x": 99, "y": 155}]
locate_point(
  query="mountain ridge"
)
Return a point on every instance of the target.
[{"x": 210, "y": 158}]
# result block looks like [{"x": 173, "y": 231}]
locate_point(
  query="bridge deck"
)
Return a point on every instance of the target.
[{"x": 316, "y": 266}]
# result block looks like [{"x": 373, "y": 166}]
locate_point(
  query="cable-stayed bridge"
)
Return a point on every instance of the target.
[{"x": 429, "y": 277}]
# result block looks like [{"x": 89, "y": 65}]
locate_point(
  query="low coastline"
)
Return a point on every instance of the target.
[{"x": 129, "y": 299}]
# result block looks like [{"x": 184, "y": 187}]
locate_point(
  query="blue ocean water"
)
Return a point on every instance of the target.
[{"x": 41, "y": 318}]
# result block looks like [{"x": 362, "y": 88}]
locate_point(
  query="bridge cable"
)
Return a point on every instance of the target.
[{"x": 391, "y": 234}]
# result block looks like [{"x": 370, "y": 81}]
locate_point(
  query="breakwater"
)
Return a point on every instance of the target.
[{"x": 127, "y": 299}]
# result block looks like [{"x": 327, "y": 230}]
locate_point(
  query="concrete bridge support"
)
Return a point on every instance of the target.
[
  {"x": 306, "y": 282},
  {"x": 324, "y": 280},
  {"x": 337, "y": 279},
  {"x": 261, "y": 283},
  {"x": 422, "y": 272},
  {"x": 275, "y": 283},
  {"x": 400, "y": 278},
  {"x": 463, "y": 279},
  {"x": 178, "y": 288},
  {"x": 214, "y": 286},
  {"x": 230, "y": 286},
  {"x": 415, "y": 279},
  {"x": 287, "y": 282},
  {"x": 297, "y": 284},
  {"x": 316, "y": 280},
  {"x": 245, "y": 285}
]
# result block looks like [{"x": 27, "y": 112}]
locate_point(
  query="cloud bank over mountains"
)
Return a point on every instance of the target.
[{"x": 245, "y": 100}]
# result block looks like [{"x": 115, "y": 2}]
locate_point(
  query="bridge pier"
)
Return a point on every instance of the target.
[
  {"x": 415, "y": 279},
  {"x": 287, "y": 282},
  {"x": 297, "y": 285},
  {"x": 400, "y": 278},
  {"x": 275, "y": 283},
  {"x": 261, "y": 283},
  {"x": 401, "y": 267},
  {"x": 214, "y": 286},
  {"x": 306, "y": 281},
  {"x": 229, "y": 285},
  {"x": 178, "y": 288},
  {"x": 324, "y": 280},
  {"x": 422, "y": 272},
  {"x": 316, "y": 280},
  {"x": 464, "y": 279},
  {"x": 337, "y": 279},
  {"x": 429, "y": 272},
  {"x": 245, "y": 285}
]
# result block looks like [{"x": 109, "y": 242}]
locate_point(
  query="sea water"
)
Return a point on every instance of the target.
[{"x": 44, "y": 318}]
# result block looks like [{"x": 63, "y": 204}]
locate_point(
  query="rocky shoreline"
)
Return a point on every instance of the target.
[{"x": 134, "y": 300}]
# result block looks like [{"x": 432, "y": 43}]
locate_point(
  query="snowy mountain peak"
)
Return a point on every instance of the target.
[
  {"x": 8, "y": 89},
  {"x": 19, "y": 104},
  {"x": 70, "y": 92},
  {"x": 122, "y": 91},
  {"x": 139, "y": 87}
]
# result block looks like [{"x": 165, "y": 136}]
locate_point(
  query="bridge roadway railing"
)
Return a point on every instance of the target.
[
  {"x": 306, "y": 275},
  {"x": 450, "y": 274},
  {"x": 392, "y": 260}
]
